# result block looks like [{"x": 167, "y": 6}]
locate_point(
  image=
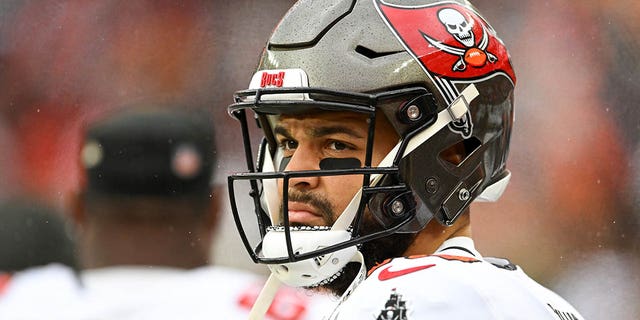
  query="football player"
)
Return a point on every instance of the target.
[{"x": 381, "y": 122}]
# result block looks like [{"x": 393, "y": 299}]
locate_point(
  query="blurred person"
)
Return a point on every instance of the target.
[
  {"x": 147, "y": 216},
  {"x": 33, "y": 234},
  {"x": 37, "y": 258},
  {"x": 382, "y": 122}
]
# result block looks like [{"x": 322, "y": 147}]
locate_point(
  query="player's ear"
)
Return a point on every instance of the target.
[
  {"x": 454, "y": 154},
  {"x": 460, "y": 151}
]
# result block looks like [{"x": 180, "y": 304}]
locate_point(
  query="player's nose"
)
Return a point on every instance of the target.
[{"x": 303, "y": 160}]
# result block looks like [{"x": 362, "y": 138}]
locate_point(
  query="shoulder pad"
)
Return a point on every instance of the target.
[{"x": 501, "y": 263}]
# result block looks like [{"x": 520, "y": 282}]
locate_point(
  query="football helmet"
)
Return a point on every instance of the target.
[{"x": 438, "y": 73}]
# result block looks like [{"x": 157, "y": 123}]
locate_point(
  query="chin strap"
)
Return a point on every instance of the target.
[
  {"x": 263, "y": 302},
  {"x": 362, "y": 274}
]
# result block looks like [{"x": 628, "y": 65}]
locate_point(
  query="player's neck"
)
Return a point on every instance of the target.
[
  {"x": 178, "y": 248},
  {"x": 434, "y": 234}
]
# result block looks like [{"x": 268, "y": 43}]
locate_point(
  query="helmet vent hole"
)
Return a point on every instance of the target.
[
  {"x": 371, "y": 54},
  {"x": 460, "y": 151}
]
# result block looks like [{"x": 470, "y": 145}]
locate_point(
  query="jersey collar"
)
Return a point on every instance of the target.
[{"x": 461, "y": 246}]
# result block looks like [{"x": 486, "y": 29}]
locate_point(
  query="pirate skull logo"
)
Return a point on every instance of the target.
[
  {"x": 461, "y": 29},
  {"x": 457, "y": 26}
]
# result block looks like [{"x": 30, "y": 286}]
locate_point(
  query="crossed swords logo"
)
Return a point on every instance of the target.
[{"x": 462, "y": 30}]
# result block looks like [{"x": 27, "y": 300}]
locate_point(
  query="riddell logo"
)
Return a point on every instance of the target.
[{"x": 272, "y": 79}]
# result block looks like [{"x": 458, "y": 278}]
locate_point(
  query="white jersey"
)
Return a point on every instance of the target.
[
  {"x": 46, "y": 292},
  {"x": 136, "y": 293},
  {"x": 141, "y": 293},
  {"x": 453, "y": 283}
]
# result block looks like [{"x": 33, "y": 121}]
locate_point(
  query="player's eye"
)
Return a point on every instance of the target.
[
  {"x": 288, "y": 144},
  {"x": 339, "y": 146}
]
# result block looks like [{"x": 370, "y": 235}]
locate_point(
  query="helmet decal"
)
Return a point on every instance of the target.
[
  {"x": 452, "y": 43},
  {"x": 272, "y": 79}
]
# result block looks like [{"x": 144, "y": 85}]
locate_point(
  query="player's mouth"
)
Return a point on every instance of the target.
[{"x": 302, "y": 214}]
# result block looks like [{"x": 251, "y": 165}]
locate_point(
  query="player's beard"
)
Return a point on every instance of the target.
[{"x": 374, "y": 252}]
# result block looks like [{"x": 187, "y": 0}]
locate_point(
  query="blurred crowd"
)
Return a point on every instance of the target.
[{"x": 570, "y": 216}]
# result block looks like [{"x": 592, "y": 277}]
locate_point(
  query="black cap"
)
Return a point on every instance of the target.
[{"x": 144, "y": 151}]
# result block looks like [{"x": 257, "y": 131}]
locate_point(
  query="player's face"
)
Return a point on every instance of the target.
[{"x": 329, "y": 137}]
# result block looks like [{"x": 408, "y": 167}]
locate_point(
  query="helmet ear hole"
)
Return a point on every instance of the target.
[
  {"x": 457, "y": 153},
  {"x": 390, "y": 208}
]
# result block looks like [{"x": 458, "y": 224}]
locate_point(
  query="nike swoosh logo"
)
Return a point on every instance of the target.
[{"x": 387, "y": 274}]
